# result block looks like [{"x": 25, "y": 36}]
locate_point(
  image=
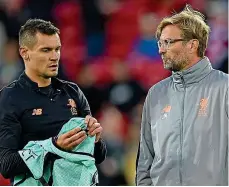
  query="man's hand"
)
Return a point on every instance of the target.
[
  {"x": 71, "y": 139},
  {"x": 94, "y": 128}
]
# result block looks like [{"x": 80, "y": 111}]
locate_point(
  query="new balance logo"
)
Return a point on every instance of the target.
[{"x": 37, "y": 112}]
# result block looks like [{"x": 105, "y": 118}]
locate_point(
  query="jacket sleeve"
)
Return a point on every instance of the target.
[
  {"x": 227, "y": 104},
  {"x": 145, "y": 154},
  {"x": 11, "y": 163},
  {"x": 100, "y": 151},
  {"x": 100, "y": 146}
]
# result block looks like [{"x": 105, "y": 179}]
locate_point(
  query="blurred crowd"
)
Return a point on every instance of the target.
[{"x": 110, "y": 51}]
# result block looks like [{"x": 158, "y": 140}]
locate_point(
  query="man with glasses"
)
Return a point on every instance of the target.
[{"x": 184, "y": 129}]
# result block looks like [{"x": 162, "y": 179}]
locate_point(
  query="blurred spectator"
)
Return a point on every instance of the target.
[
  {"x": 14, "y": 13},
  {"x": 224, "y": 66},
  {"x": 146, "y": 44},
  {"x": 145, "y": 53},
  {"x": 123, "y": 92},
  {"x": 3, "y": 38},
  {"x": 10, "y": 65},
  {"x": 218, "y": 40},
  {"x": 108, "y": 7},
  {"x": 86, "y": 81},
  {"x": 68, "y": 18},
  {"x": 115, "y": 125},
  {"x": 131, "y": 145},
  {"x": 12, "y": 16},
  {"x": 94, "y": 27}
]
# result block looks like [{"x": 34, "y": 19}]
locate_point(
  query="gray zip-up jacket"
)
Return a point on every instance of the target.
[{"x": 184, "y": 130}]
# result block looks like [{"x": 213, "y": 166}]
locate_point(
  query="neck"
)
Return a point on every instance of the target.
[
  {"x": 193, "y": 61},
  {"x": 41, "y": 81}
]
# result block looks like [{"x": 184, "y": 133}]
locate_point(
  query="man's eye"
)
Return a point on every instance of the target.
[
  {"x": 166, "y": 42},
  {"x": 45, "y": 50}
]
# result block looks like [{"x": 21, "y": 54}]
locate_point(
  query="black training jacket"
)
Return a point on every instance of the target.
[{"x": 29, "y": 113}]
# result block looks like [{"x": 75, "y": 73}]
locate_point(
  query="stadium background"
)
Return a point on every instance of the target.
[{"x": 110, "y": 51}]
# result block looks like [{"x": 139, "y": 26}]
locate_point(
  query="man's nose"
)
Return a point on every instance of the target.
[
  {"x": 162, "y": 50},
  {"x": 55, "y": 56}
]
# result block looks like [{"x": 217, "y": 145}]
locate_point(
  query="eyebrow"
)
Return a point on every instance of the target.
[
  {"x": 167, "y": 39},
  {"x": 51, "y": 47}
]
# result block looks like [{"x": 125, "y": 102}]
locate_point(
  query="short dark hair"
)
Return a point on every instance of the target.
[{"x": 29, "y": 30}]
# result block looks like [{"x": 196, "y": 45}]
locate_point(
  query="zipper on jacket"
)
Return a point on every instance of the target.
[{"x": 181, "y": 131}]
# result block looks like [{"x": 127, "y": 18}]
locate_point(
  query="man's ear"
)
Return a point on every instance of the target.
[
  {"x": 24, "y": 53},
  {"x": 194, "y": 44}
]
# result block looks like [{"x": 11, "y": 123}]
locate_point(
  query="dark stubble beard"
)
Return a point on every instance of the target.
[{"x": 45, "y": 76}]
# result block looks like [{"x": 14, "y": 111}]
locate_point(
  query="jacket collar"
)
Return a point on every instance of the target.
[
  {"x": 56, "y": 83},
  {"x": 194, "y": 74}
]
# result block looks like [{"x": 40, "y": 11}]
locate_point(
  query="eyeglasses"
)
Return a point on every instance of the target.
[{"x": 166, "y": 43}]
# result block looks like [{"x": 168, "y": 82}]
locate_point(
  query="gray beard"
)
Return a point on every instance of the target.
[{"x": 171, "y": 66}]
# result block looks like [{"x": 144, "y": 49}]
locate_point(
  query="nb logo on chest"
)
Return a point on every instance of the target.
[{"x": 37, "y": 112}]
